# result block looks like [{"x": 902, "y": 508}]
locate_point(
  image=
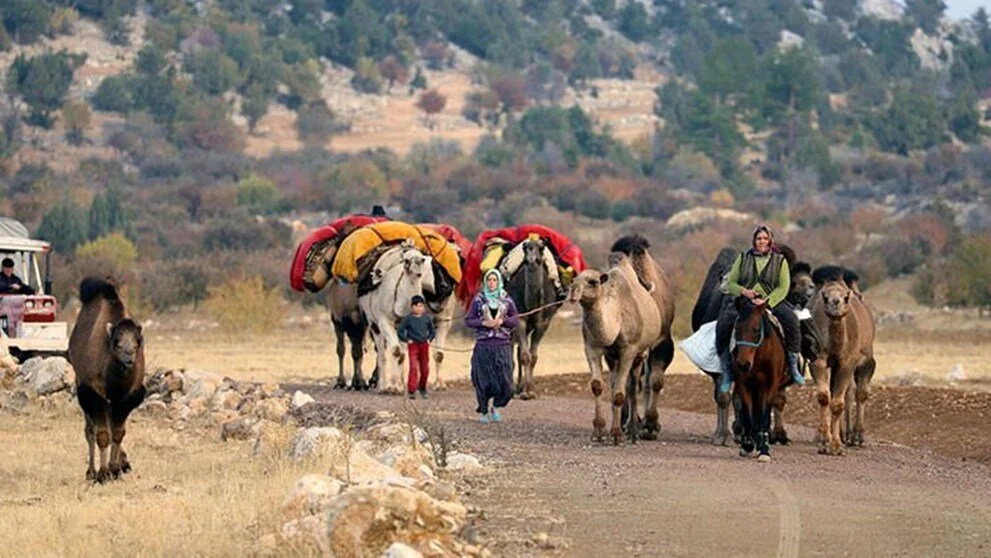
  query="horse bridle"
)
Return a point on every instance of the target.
[{"x": 760, "y": 340}]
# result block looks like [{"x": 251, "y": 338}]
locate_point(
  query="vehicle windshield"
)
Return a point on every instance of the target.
[{"x": 26, "y": 267}]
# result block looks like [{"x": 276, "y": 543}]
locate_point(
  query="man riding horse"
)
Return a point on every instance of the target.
[{"x": 760, "y": 274}]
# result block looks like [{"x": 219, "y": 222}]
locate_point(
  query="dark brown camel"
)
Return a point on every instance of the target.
[{"x": 107, "y": 351}]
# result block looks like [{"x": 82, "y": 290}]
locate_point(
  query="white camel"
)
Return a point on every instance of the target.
[{"x": 397, "y": 280}]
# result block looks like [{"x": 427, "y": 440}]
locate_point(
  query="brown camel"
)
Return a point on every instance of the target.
[
  {"x": 653, "y": 278},
  {"x": 106, "y": 350},
  {"x": 621, "y": 324},
  {"x": 846, "y": 357}
]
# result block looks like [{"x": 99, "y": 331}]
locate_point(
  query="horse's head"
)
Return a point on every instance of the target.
[
  {"x": 126, "y": 339},
  {"x": 749, "y": 331},
  {"x": 587, "y": 286},
  {"x": 533, "y": 253},
  {"x": 835, "y": 299}
]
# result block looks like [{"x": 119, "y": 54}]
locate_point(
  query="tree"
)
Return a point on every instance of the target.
[
  {"x": 912, "y": 121},
  {"x": 431, "y": 103},
  {"x": 42, "y": 82},
  {"x": 926, "y": 13},
  {"x": 254, "y": 105},
  {"x": 970, "y": 270},
  {"x": 257, "y": 193},
  {"x": 213, "y": 72},
  {"x": 418, "y": 81},
  {"x": 115, "y": 94},
  {"x": 964, "y": 119},
  {"x": 729, "y": 68},
  {"x": 26, "y": 20},
  {"x": 634, "y": 22},
  {"x": 436, "y": 54},
  {"x": 510, "y": 90},
  {"x": 106, "y": 214},
  {"x": 76, "y": 116},
  {"x": 315, "y": 123},
  {"x": 367, "y": 78},
  {"x": 840, "y": 9},
  {"x": 393, "y": 71},
  {"x": 11, "y": 133},
  {"x": 151, "y": 59},
  {"x": 64, "y": 226}
]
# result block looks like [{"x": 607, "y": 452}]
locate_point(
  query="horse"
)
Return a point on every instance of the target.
[{"x": 760, "y": 371}]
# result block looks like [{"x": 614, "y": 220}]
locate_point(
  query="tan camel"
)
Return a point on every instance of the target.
[
  {"x": 847, "y": 356},
  {"x": 653, "y": 278},
  {"x": 621, "y": 324}
]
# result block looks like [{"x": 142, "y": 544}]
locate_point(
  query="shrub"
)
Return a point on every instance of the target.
[
  {"x": 112, "y": 254},
  {"x": 173, "y": 285},
  {"x": 243, "y": 305},
  {"x": 257, "y": 193}
]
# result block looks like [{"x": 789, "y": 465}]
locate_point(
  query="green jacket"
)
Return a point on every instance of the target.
[{"x": 771, "y": 289}]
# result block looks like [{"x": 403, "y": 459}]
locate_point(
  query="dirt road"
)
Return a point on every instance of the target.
[{"x": 680, "y": 496}]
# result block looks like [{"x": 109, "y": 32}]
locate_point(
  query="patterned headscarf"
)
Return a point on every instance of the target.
[{"x": 493, "y": 297}]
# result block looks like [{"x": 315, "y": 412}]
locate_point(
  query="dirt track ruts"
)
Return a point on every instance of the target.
[{"x": 681, "y": 496}]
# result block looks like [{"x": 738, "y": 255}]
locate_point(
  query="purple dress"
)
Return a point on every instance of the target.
[{"x": 492, "y": 358}]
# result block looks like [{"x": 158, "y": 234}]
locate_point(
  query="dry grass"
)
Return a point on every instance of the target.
[{"x": 189, "y": 494}]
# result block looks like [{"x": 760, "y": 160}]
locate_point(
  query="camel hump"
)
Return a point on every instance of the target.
[
  {"x": 631, "y": 245},
  {"x": 92, "y": 288}
]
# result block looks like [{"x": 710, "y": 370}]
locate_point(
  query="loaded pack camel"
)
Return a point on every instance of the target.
[
  {"x": 655, "y": 280},
  {"x": 531, "y": 289},
  {"x": 846, "y": 357},
  {"x": 621, "y": 324},
  {"x": 106, "y": 350},
  {"x": 400, "y": 273}
]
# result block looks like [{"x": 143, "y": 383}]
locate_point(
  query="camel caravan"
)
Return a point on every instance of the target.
[{"x": 373, "y": 267}]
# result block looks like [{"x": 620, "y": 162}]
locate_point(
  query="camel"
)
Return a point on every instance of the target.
[
  {"x": 531, "y": 288},
  {"x": 653, "y": 278},
  {"x": 621, "y": 324},
  {"x": 400, "y": 274},
  {"x": 106, "y": 350},
  {"x": 846, "y": 356}
]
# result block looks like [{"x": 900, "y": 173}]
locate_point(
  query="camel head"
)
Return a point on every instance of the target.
[
  {"x": 835, "y": 299},
  {"x": 533, "y": 253},
  {"x": 803, "y": 288},
  {"x": 126, "y": 339},
  {"x": 417, "y": 267},
  {"x": 587, "y": 287}
]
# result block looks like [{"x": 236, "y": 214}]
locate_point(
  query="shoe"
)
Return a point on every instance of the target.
[
  {"x": 796, "y": 372},
  {"x": 484, "y": 419},
  {"x": 496, "y": 417},
  {"x": 412, "y": 395},
  {"x": 726, "y": 378},
  {"x": 423, "y": 394}
]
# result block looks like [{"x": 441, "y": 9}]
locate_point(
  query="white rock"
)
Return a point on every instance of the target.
[
  {"x": 463, "y": 462},
  {"x": 957, "y": 374},
  {"x": 312, "y": 494},
  {"x": 400, "y": 550},
  {"x": 45, "y": 376},
  {"x": 309, "y": 529},
  {"x": 299, "y": 399},
  {"x": 199, "y": 383},
  {"x": 307, "y": 441}
]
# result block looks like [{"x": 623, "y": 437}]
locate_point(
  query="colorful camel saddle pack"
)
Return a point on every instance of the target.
[
  {"x": 503, "y": 249},
  {"x": 350, "y": 248}
]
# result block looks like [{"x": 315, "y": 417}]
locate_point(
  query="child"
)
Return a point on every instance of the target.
[
  {"x": 493, "y": 316},
  {"x": 417, "y": 329}
]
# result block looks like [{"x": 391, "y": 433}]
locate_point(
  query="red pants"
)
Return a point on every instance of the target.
[{"x": 419, "y": 366}]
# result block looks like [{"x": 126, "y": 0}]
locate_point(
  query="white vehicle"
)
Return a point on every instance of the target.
[{"x": 27, "y": 321}]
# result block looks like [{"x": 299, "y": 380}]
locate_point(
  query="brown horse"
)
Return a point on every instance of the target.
[{"x": 759, "y": 366}]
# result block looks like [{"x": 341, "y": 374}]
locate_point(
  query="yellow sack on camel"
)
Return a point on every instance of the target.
[
  {"x": 493, "y": 255},
  {"x": 364, "y": 240}
]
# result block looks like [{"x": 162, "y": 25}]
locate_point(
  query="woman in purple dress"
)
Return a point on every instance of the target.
[{"x": 493, "y": 316}]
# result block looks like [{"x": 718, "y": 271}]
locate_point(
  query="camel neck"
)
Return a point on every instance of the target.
[{"x": 837, "y": 332}]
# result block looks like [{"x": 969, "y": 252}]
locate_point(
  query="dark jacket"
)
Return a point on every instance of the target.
[
  {"x": 479, "y": 312},
  {"x": 7, "y": 285},
  {"x": 418, "y": 329}
]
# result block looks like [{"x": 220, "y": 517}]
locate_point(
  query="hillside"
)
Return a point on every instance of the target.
[{"x": 858, "y": 127}]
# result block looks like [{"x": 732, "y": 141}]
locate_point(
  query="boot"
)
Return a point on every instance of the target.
[
  {"x": 796, "y": 372},
  {"x": 726, "y": 379}
]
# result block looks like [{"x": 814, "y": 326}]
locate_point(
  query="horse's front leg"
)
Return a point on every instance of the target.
[
  {"x": 745, "y": 417},
  {"x": 763, "y": 420}
]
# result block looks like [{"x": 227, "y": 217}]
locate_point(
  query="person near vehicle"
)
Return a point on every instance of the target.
[
  {"x": 10, "y": 283},
  {"x": 493, "y": 316},
  {"x": 761, "y": 275},
  {"x": 417, "y": 330}
]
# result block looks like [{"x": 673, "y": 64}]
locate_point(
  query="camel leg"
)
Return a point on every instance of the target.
[
  {"x": 339, "y": 334},
  {"x": 659, "y": 360},
  {"x": 522, "y": 355},
  {"x": 779, "y": 435},
  {"x": 821, "y": 373},
  {"x": 630, "y": 414},
  {"x": 357, "y": 340},
  {"x": 535, "y": 338},
  {"x": 620, "y": 377},
  {"x": 837, "y": 405},
  {"x": 846, "y": 424},
  {"x": 358, "y": 380},
  {"x": 594, "y": 358},
  {"x": 118, "y": 419},
  {"x": 443, "y": 328},
  {"x": 863, "y": 381},
  {"x": 90, "y": 432}
]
